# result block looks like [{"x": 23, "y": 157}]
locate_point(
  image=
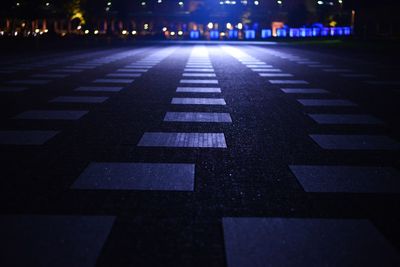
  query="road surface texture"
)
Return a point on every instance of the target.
[{"x": 199, "y": 155}]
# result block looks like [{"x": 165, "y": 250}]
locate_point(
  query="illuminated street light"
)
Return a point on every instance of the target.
[
  {"x": 180, "y": 32},
  {"x": 96, "y": 32},
  {"x": 146, "y": 26},
  {"x": 87, "y": 31},
  {"x": 240, "y": 26},
  {"x": 229, "y": 26},
  {"x": 180, "y": 3},
  {"x": 143, "y": 3},
  {"x": 256, "y": 3},
  {"x": 108, "y": 3},
  {"x": 210, "y": 25},
  {"x": 79, "y": 27},
  {"x": 37, "y": 30},
  {"x": 18, "y": 4},
  {"x": 159, "y": 1},
  {"x": 172, "y": 33},
  {"x": 164, "y": 29},
  {"x": 124, "y": 32},
  {"x": 134, "y": 32},
  {"x": 47, "y": 4},
  {"x": 279, "y": 2},
  {"x": 320, "y": 2}
]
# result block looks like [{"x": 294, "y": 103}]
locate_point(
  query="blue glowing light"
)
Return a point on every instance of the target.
[
  {"x": 266, "y": 33},
  {"x": 325, "y": 31},
  {"x": 281, "y": 33},
  {"x": 305, "y": 32},
  {"x": 250, "y": 34},
  {"x": 316, "y": 32},
  {"x": 338, "y": 31},
  {"x": 346, "y": 30},
  {"x": 194, "y": 34},
  {"x": 293, "y": 32},
  {"x": 214, "y": 35},
  {"x": 233, "y": 34}
]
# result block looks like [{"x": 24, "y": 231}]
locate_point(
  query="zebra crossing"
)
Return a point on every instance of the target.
[
  {"x": 40, "y": 137},
  {"x": 198, "y": 59},
  {"x": 193, "y": 128},
  {"x": 259, "y": 238}
]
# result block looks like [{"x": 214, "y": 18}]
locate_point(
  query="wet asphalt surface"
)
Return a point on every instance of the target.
[{"x": 250, "y": 178}]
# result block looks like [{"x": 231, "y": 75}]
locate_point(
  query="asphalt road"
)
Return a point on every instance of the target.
[{"x": 199, "y": 155}]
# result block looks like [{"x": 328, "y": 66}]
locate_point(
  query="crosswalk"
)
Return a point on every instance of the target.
[
  {"x": 193, "y": 133},
  {"x": 199, "y": 59},
  {"x": 251, "y": 236}
]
